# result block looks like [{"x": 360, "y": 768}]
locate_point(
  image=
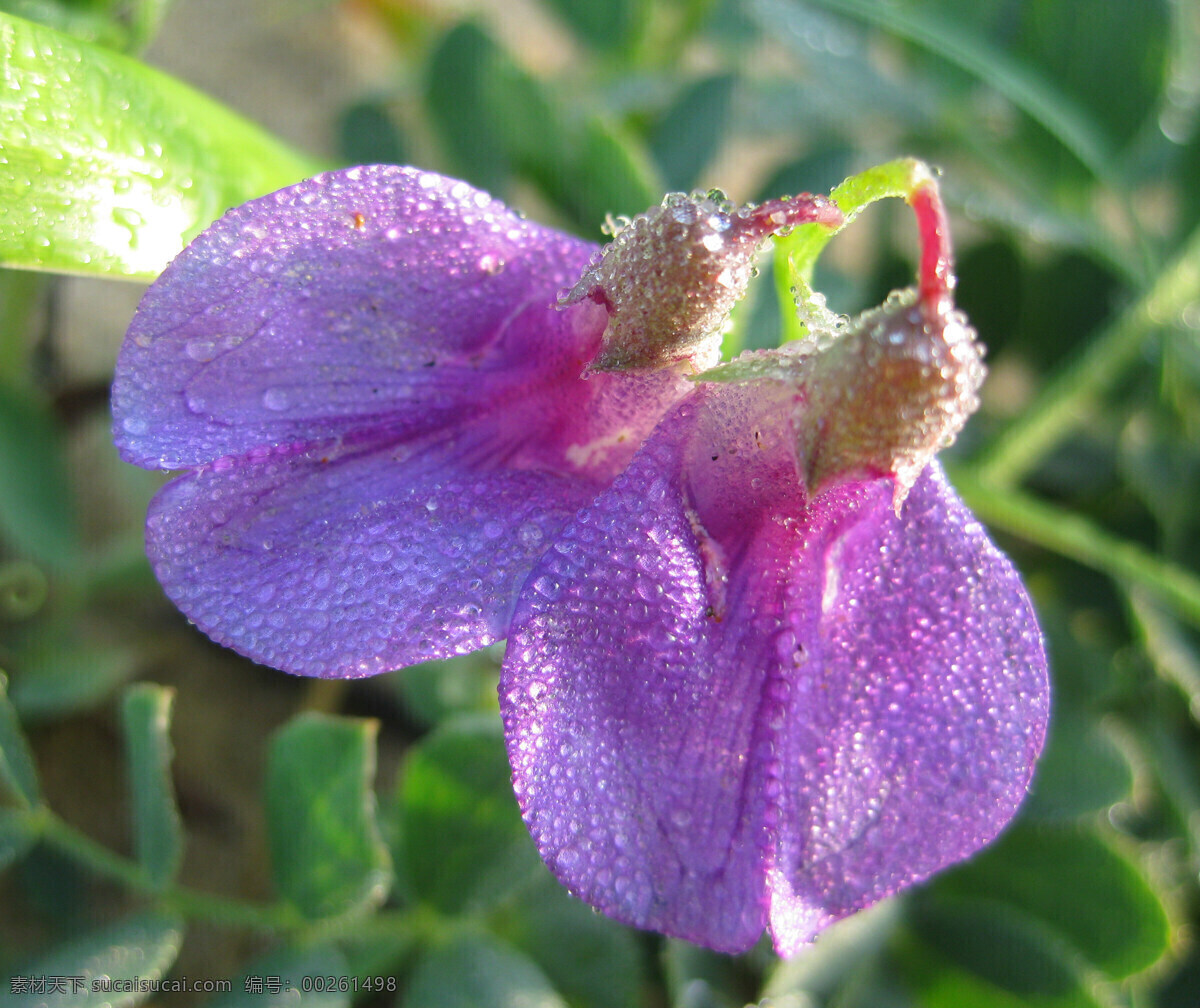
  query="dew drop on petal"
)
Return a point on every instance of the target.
[{"x": 276, "y": 399}]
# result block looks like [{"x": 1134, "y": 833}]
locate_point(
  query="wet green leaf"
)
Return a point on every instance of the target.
[
  {"x": 109, "y": 166},
  {"x": 326, "y": 850},
  {"x": 157, "y": 827}
]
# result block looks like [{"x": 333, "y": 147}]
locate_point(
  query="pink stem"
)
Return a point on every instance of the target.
[{"x": 936, "y": 272}]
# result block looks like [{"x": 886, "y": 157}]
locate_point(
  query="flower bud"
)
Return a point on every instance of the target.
[
  {"x": 892, "y": 390},
  {"x": 670, "y": 277}
]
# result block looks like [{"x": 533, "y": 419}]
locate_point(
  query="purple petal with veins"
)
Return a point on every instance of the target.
[
  {"x": 730, "y": 707},
  {"x": 333, "y": 359}
]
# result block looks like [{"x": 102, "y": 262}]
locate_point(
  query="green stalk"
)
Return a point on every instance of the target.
[
  {"x": 94, "y": 856},
  {"x": 1073, "y": 536}
]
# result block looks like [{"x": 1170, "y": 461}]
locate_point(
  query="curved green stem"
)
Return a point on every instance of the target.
[
  {"x": 1063, "y": 403},
  {"x": 56, "y": 832},
  {"x": 1073, "y": 536}
]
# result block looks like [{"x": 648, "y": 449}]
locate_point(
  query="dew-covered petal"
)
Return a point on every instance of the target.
[
  {"x": 915, "y": 711},
  {"x": 351, "y": 559},
  {"x": 359, "y": 296},
  {"x": 711, "y": 687}
]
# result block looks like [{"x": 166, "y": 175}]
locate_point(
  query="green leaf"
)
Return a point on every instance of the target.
[
  {"x": 157, "y": 828},
  {"x": 474, "y": 971},
  {"x": 846, "y": 951},
  {"x": 35, "y": 498},
  {"x": 434, "y": 691},
  {"x": 593, "y": 961},
  {"x": 59, "y": 673},
  {"x": 17, "y": 771},
  {"x": 127, "y": 25},
  {"x": 689, "y": 133},
  {"x": 462, "y": 844},
  {"x": 109, "y": 167},
  {"x": 611, "y": 174},
  {"x": 1070, "y": 881},
  {"x": 116, "y": 956},
  {"x": 609, "y": 26},
  {"x": 1081, "y": 770},
  {"x": 462, "y": 104},
  {"x": 289, "y": 977},
  {"x": 988, "y": 956},
  {"x": 367, "y": 134},
  {"x": 326, "y": 851}
]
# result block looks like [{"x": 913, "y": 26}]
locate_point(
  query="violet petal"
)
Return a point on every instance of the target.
[
  {"x": 353, "y": 559},
  {"x": 729, "y": 710},
  {"x": 359, "y": 294}
]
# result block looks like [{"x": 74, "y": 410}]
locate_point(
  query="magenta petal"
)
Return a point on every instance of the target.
[
  {"x": 369, "y": 292},
  {"x": 727, "y": 710},
  {"x": 352, "y": 560}
]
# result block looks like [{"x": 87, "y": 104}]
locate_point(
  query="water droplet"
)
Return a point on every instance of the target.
[{"x": 276, "y": 399}]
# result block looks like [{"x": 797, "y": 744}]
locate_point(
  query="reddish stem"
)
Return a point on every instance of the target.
[{"x": 936, "y": 272}]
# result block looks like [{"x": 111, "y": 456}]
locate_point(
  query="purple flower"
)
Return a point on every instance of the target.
[
  {"x": 777, "y": 671},
  {"x": 764, "y": 667},
  {"x": 383, "y": 415}
]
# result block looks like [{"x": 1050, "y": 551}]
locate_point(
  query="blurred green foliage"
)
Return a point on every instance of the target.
[{"x": 1069, "y": 136}]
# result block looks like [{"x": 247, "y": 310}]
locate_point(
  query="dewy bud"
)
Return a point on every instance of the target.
[
  {"x": 671, "y": 276},
  {"x": 889, "y": 393},
  {"x": 898, "y": 383}
]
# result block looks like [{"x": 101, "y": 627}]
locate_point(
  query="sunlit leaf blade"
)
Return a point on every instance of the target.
[
  {"x": 326, "y": 850},
  {"x": 17, "y": 774},
  {"x": 115, "y": 965},
  {"x": 158, "y": 830},
  {"x": 108, "y": 166},
  {"x": 478, "y": 972}
]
